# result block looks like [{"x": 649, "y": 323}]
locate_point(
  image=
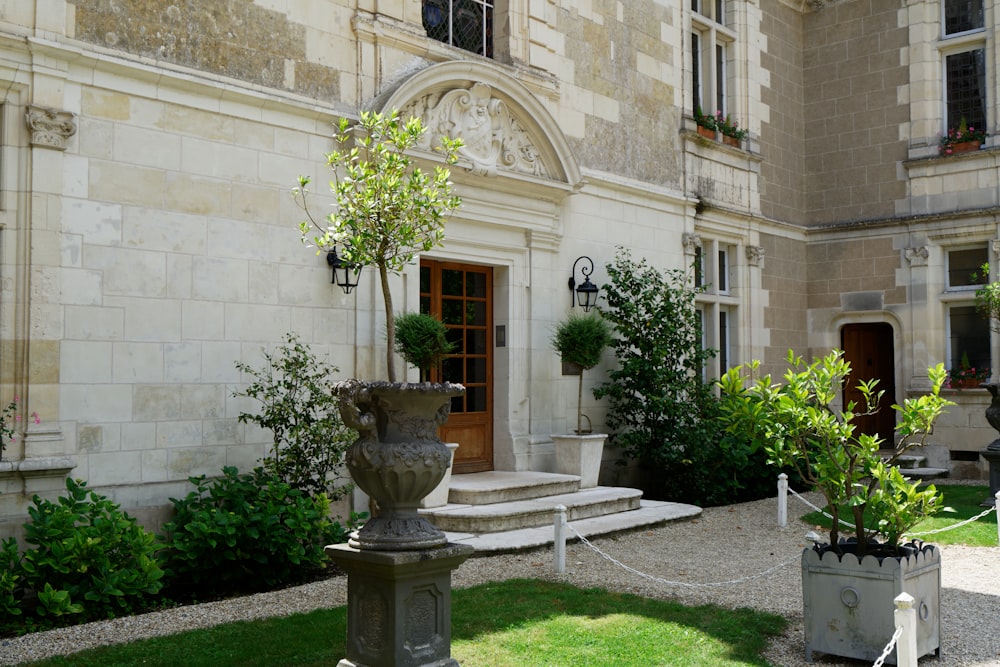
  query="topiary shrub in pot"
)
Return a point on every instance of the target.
[
  {"x": 581, "y": 341},
  {"x": 422, "y": 341},
  {"x": 849, "y": 584}
]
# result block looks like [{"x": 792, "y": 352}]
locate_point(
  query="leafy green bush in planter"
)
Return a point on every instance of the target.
[
  {"x": 243, "y": 532},
  {"x": 299, "y": 408},
  {"x": 581, "y": 340},
  {"x": 661, "y": 412},
  {"x": 422, "y": 341},
  {"x": 87, "y": 557}
]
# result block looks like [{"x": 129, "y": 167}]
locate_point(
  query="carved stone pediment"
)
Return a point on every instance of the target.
[
  {"x": 494, "y": 139},
  {"x": 50, "y": 128}
]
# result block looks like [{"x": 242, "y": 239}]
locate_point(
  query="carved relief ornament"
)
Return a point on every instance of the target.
[
  {"x": 917, "y": 256},
  {"x": 755, "y": 255},
  {"x": 494, "y": 139},
  {"x": 50, "y": 128},
  {"x": 691, "y": 243}
]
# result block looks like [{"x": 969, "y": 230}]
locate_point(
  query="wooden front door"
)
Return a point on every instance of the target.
[
  {"x": 869, "y": 350},
  {"x": 461, "y": 296}
]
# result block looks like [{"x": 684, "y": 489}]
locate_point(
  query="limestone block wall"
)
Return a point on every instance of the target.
[
  {"x": 855, "y": 79},
  {"x": 783, "y": 132},
  {"x": 308, "y": 51},
  {"x": 784, "y": 280},
  {"x": 853, "y": 275},
  {"x": 180, "y": 258}
]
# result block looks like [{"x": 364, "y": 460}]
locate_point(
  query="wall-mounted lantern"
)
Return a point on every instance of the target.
[
  {"x": 586, "y": 293},
  {"x": 345, "y": 274}
]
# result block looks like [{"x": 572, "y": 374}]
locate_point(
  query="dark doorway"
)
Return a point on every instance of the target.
[{"x": 869, "y": 350}]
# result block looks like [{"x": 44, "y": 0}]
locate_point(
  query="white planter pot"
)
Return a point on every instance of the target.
[
  {"x": 439, "y": 496},
  {"x": 848, "y": 605},
  {"x": 580, "y": 455}
]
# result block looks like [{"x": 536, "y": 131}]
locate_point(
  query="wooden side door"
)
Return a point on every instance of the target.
[
  {"x": 869, "y": 350},
  {"x": 461, "y": 296}
]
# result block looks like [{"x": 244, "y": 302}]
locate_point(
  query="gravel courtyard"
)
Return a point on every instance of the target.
[{"x": 723, "y": 544}]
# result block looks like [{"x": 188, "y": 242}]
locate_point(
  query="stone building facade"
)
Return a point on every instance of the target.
[{"x": 149, "y": 235}]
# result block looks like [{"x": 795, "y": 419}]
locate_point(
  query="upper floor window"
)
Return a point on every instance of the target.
[
  {"x": 964, "y": 53},
  {"x": 962, "y": 16},
  {"x": 965, "y": 77},
  {"x": 968, "y": 331},
  {"x": 466, "y": 24},
  {"x": 712, "y": 48},
  {"x": 964, "y": 268}
]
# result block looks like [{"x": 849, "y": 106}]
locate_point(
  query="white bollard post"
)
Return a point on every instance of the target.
[
  {"x": 905, "y": 617},
  {"x": 560, "y": 539},
  {"x": 782, "y": 500}
]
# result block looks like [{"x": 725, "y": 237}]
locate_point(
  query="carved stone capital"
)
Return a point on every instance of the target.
[
  {"x": 50, "y": 128},
  {"x": 692, "y": 242},
  {"x": 494, "y": 139},
  {"x": 917, "y": 256},
  {"x": 755, "y": 255},
  {"x": 995, "y": 245}
]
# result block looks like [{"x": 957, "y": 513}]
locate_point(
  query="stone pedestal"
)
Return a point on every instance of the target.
[
  {"x": 399, "y": 605},
  {"x": 992, "y": 456}
]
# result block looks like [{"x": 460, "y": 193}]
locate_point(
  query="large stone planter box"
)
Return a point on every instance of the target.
[
  {"x": 848, "y": 603},
  {"x": 580, "y": 455}
]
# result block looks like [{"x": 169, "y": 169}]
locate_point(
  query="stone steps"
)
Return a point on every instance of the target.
[
  {"x": 510, "y": 511},
  {"x": 915, "y": 466},
  {"x": 495, "y": 517}
]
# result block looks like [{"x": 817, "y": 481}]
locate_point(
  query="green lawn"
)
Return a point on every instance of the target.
[
  {"x": 964, "y": 500},
  {"x": 517, "y": 622}
]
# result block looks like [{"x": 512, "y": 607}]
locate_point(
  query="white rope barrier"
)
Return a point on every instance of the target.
[
  {"x": 954, "y": 525},
  {"x": 784, "y": 489}
]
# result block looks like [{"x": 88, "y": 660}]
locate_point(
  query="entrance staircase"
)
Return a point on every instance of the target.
[
  {"x": 915, "y": 466},
  {"x": 509, "y": 511}
]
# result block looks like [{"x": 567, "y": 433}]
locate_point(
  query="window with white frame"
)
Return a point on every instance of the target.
[
  {"x": 466, "y": 24},
  {"x": 964, "y": 63},
  {"x": 968, "y": 331},
  {"x": 717, "y": 304},
  {"x": 712, "y": 48}
]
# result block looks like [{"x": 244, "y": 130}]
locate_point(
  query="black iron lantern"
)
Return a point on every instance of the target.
[
  {"x": 586, "y": 293},
  {"x": 345, "y": 274}
]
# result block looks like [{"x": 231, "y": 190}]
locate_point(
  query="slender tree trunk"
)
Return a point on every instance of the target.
[
  {"x": 579, "y": 405},
  {"x": 390, "y": 325}
]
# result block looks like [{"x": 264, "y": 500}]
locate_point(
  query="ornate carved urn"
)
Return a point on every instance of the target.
[
  {"x": 992, "y": 451},
  {"x": 398, "y": 458}
]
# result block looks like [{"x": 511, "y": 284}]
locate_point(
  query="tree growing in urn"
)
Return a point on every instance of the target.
[{"x": 387, "y": 209}]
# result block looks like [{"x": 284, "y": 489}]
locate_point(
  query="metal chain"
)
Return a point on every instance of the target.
[
  {"x": 683, "y": 584},
  {"x": 888, "y": 647}
]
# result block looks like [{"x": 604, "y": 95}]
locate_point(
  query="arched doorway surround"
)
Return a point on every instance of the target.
[{"x": 515, "y": 172}]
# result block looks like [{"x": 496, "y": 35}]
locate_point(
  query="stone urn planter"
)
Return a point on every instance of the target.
[
  {"x": 848, "y": 601},
  {"x": 580, "y": 455},
  {"x": 398, "y": 458}
]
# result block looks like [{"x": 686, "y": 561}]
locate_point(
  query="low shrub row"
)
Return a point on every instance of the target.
[{"x": 87, "y": 559}]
